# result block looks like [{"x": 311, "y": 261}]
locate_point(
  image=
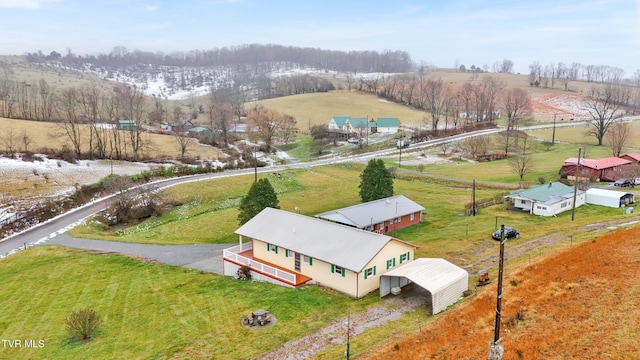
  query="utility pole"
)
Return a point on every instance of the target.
[
  {"x": 496, "y": 349},
  {"x": 575, "y": 185},
  {"x": 348, "y": 331},
  {"x": 553, "y": 134},
  {"x": 255, "y": 163}
]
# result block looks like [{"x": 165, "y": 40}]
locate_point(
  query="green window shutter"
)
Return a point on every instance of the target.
[
  {"x": 333, "y": 268},
  {"x": 388, "y": 264},
  {"x": 408, "y": 255},
  {"x": 342, "y": 272},
  {"x": 286, "y": 252},
  {"x": 374, "y": 270},
  {"x": 394, "y": 261},
  {"x": 310, "y": 261},
  {"x": 276, "y": 249},
  {"x": 365, "y": 274},
  {"x": 268, "y": 247},
  {"x": 400, "y": 259}
]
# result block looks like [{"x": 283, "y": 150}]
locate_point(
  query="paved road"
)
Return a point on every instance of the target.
[{"x": 205, "y": 257}]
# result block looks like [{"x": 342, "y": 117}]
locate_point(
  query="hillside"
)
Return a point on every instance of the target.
[{"x": 578, "y": 304}]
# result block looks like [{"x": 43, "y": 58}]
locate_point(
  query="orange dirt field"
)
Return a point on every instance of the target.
[{"x": 578, "y": 303}]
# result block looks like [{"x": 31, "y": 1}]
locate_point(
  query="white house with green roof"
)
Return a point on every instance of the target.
[
  {"x": 387, "y": 125},
  {"x": 339, "y": 123},
  {"x": 546, "y": 200}
]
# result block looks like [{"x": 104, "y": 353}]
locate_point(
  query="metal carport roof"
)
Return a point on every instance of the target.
[{"x": 445, "y": 281}]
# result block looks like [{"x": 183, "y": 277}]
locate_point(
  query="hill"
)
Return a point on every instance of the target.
[{"x": 578, "y": 304}]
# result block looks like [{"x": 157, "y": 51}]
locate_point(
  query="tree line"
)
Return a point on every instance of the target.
[{"x": 252, "y": 54}]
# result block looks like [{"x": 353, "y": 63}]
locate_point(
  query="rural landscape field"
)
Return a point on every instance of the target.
[{"x": 570, "y": 281}]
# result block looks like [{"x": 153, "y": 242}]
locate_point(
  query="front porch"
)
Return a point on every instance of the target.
[{"x": 242, "y": 255}]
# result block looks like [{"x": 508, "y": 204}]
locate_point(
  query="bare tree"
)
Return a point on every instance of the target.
[
  {"x": 433, "y": 95},
  {"x": 522, "y": 165},
  {"x": 603, "y": 105},
  {"x": 10, "y": 140},
  {"x": 70, "y": 117},
  {"x": 476, "y": 145},
  {"x": 619, "y": 137},
  {"x": 26, "y": 140},
  {"x": 267, "y": 124},
  {"x": 184, "y": 141},
  {"x": 517, "y": 106},
  {"x": 288, "y": 127}
]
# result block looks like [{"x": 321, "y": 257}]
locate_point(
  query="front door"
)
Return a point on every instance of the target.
[{"x": 296, "y": 261}]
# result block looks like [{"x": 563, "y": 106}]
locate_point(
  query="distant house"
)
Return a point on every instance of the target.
[
  {"x": 387, "y": 125},
  {"x": 183, "y": 125},
  {"x": 290, "y": 249},
  {"x": 605, "y": 169},
  {"x": 381, "y": 216},
  {"x": 361, "y": 126},
  {"x": 339, "y": 123},
  {"x": 200, "y": 131},
  {"x": 546, "y": 200},
  {"x": 128, "y": 125}
]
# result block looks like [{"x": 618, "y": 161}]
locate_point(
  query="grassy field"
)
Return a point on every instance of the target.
[
  {"x": 149, "y": 311},
  {"x": 319, "y": 108},
  {"x": 50, "y": 135},
  {"x": 321, "y": 189}
]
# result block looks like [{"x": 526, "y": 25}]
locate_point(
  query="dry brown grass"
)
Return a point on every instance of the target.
[
  {"x": 50, "y": 135},
  {"x": 578, "y": 304}
]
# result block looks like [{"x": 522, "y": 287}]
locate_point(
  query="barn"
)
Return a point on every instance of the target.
[{"x": 445, "y": 282}]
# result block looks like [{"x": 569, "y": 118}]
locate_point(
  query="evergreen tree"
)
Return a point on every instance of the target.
[
  {"x": 260, "y": 196},
  {"x": 376, "y": 181}
]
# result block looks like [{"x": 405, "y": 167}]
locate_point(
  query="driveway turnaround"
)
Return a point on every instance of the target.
[{"x": 204, "y": 257}]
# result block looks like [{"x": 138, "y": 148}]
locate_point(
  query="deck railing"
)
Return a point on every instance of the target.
[{"x": 233, "y": 255}]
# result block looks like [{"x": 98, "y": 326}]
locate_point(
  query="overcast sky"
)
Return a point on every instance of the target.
[{"x": 443, "y": 33}]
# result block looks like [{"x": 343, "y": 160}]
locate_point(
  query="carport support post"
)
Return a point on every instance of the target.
[{"x": 495, "y": 348}]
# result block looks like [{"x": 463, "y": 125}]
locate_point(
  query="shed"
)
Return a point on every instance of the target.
[
  {"x": 610, "y": 198},
  {"x": 445, "y": 281}
]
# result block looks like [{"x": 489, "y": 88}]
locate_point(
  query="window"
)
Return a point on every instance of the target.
[
  {"x": 381, "y": 226},
  {"x": 337, "y": 270},
  {"x": 369, "y": 272},
  {"x": 307, "y": 260},
  {"x": 391, "y": 263},
  {"x": 411, "y": 217},
  {"x": 273, "y": 248},
  {"x": 398, "y": 220},
  {"x": 405, "y": 257},
  {"x": 288, "y": 253}
]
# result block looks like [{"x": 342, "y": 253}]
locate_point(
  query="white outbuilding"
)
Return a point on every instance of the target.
[
  {"x": 610, "y": 198},
  {"x": 445, "y": 282}
]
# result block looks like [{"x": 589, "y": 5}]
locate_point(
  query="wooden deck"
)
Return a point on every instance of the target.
[{"x": 300, "y": 279}]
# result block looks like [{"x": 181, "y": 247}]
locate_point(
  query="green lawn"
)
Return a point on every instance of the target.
[{"x": 149, "y": 311}]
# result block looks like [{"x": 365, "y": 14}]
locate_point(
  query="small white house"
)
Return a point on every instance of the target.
[
  {"x": 546, "y": 200},
  {"x": 610, "y": 198}
]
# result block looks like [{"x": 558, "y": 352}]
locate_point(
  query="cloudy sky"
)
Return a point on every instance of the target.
[{"x": 443, "y": 33}]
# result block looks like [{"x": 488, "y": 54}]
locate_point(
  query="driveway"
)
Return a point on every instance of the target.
[{"x": 204, "y": 257}]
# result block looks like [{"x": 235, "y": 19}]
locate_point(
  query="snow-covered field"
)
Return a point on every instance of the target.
[{"x": 27, "y": 181}]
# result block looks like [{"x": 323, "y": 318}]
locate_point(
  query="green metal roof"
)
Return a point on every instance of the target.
[
  {"x": 388, "y": 122},
  {"x": 340, "y": 120},
  {"x": 544, "y": 192},
  {"x": 361, "y": 122}
]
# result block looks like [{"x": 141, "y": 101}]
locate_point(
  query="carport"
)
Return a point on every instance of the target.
[
  {"x": 444, "y": 281},
  {"x": 610, "y": 198}
]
